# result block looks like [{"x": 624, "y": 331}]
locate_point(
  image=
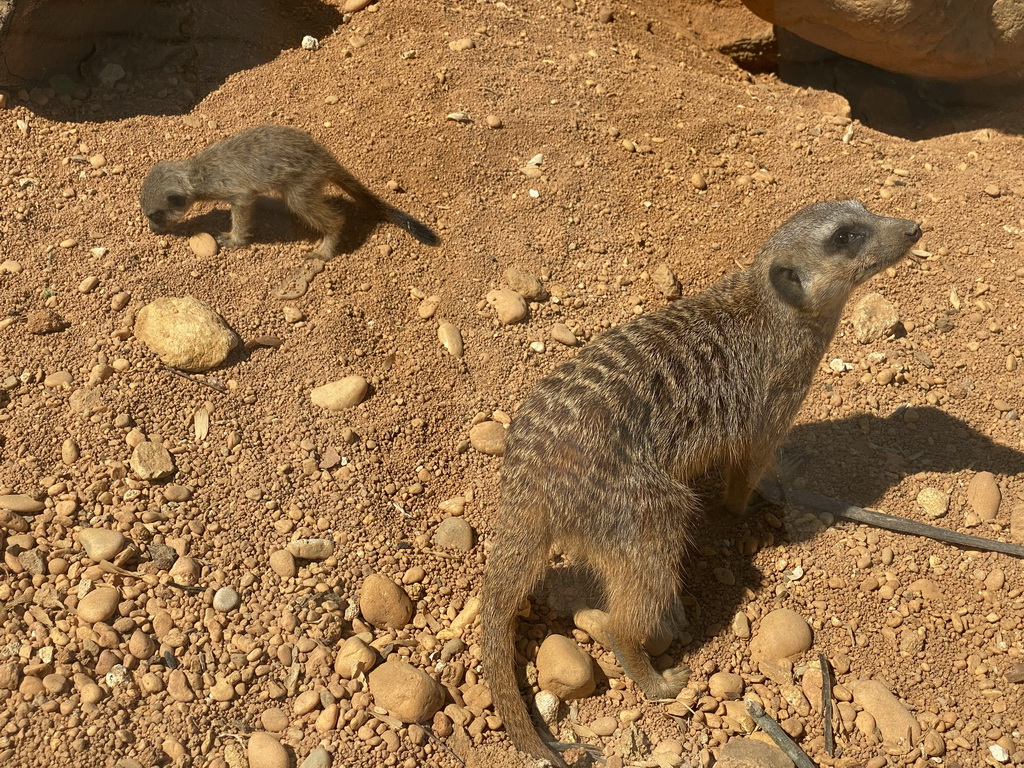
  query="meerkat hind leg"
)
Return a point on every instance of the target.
[
  {"x": 310, "y": 206},
  {"x": 742, "y": 477},
  {"x": 639, "y": 593}
]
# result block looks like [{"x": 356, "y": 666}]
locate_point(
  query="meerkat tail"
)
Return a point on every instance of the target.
[
  {"x": 393, "y": 215},
  {"x": 513, "y": 568},
  {"x": 413, "y": 226}
]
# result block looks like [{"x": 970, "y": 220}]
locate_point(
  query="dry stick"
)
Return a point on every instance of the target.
[
  {"x": 826, "y": 704},
  {"x": 779, "y": 736},
  {"x": 190, "y": 377},
  {"x": 894, "y": 523}
]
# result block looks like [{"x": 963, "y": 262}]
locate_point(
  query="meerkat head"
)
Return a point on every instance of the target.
[
  {"x": 816, "y": 258},
  {"x": 166, "y": 195}
]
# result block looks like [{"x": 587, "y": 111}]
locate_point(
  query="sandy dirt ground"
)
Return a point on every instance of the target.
[{"x": 593, "y": 147}]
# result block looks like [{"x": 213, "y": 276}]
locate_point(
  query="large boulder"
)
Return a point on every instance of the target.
[{"x": 938, "y": 39}]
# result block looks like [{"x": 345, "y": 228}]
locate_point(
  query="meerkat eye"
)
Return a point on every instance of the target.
[
  {"x": 844, "y": 237},
  {"x": 177, "y": 201}
]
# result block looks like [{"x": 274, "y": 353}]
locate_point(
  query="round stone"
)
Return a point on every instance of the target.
[
  {"x": 564, "y": 669},
  {"x": 98, "y": 605},
  {"x": 264, "y": 751},
  {"x": 203, "y": 245},
  {"x": 226, "y": 599},
  {"x": 282, "y": 562},
  {"x": 455, "y": 533},
  {"x": 405, "y": 691},
  {"x": 782, "y": 634},
  {"x": 185, "y": 333},
  {"x": 488, "y": 437},
  {"x": 383, "y": 603},
  {"x": 725, "y": 685}
]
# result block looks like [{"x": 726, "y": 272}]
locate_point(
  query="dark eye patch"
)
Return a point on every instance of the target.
[
  {"x": 843, "y": 238},
  {"x": 177, "y": 201}
]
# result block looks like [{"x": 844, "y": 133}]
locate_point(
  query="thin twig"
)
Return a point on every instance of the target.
[
  {"x": 779, "y": 736},
  {"x": 826, "y": 704},
  {"x": 215, "y": 387},
  {"x": 433, "y": 737},
  {"x": 893, "y": 523}
]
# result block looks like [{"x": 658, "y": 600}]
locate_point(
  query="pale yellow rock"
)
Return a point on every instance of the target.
[
  {"x": 406, "y": 692},
  {"x": 339, "y": 395},
  {"x": 383, "y": 603},
  {"x": 354, "y": 657},
  {"x": 984, "y": 495},
  {"x": 510, "y": 306},
  {"x": 782, "y": 634},
  {"x": 488, "y": 437},
  {"x": 451, "y": 339},
  {"x": 203, "y": 245},
  {"x": 98, "y": 605},
  {"x": 564, "y": 669},
  {"x": 264, "y": 751},
  {"x": 151, "y": 461},
  {"x": 896, "y": 723},
  {"x": 185, "y": 333}
]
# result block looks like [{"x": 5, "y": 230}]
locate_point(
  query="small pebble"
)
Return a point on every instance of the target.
[
  {"x": 406, "y": 692},
  {"x": 561, "y": 333},
  {"x": 493, "y": 121},
  {"x": 984, "y": 495},
  {"x": 339, "y": 395},
  {"x": 451, "y": 339},
  {"x": 934, "y": 502},
  {"x": 318, "y": 758},
  {"x": 264, "y": 751},
  {"x": 383, "y": 603},
  {"x": 226, "y": 599},
  {"x": 98, "y": 605},
  {"x": 874, "y": 318},
  {"x": 455, "y": 533},
  {"x": 782, "y": 634},
  {"x": 462, "y": 44},
  {"x": 101, "y": 543},
  {"x": 564, "y": 669},
  {"x": 510, "y": 306},
  {"x": 311, "y": 549},
  {"x": 203, "y": 245},
  {"x": 488, "y": 437},
  {"x": 151, "y": 461},
  {"x": 282, "y": 562}
]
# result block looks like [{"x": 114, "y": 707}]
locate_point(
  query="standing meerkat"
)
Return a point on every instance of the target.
[
  {"x": 602, "y": 457},
  {"x": 263, "y": 160}
]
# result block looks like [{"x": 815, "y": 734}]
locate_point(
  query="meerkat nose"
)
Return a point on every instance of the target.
[{"x": 915, "y": 234}]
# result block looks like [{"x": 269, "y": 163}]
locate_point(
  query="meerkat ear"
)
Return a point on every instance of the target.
[{"x": 789, "y": 284}]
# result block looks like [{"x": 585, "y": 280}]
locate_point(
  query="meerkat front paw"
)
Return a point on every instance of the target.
[{"x": 227, "y": 240}]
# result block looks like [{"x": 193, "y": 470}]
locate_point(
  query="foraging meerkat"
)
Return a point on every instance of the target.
[
  {"x": 601, "y": 458},
  {"x": 261, "y": 160}
]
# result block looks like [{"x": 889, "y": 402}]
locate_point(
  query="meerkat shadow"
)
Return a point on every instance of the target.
[
  {"x": 859, "y": 459},
  {"x": 277, "y": 224}
]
